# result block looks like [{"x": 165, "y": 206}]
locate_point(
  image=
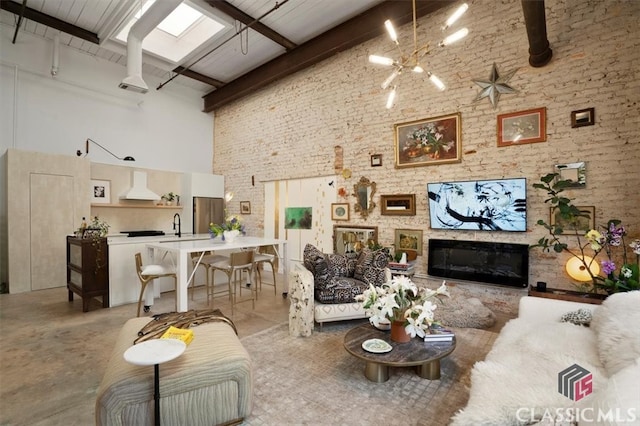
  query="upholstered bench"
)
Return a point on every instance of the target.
[{"x": 210, "y": 383}]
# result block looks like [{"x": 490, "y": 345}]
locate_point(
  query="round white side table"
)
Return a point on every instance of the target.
[{"x": 155, "y": 352}]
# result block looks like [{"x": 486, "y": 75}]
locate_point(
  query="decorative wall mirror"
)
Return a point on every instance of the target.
[
  {"x": 364, "y": 191},
  {"x": 574, "y": 172},
  {"x": 352, "y": 239}
]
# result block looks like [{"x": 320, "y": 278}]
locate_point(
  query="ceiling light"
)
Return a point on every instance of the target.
[{"x": 412, "y": 60}]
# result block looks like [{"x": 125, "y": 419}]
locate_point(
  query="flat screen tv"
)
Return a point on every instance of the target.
[{"x": 479, "y": 205}]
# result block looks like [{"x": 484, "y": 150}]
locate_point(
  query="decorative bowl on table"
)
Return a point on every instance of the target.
[{"x": 384, "y": 325}]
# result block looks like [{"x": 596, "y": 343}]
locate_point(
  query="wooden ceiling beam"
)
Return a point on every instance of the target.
[
  {"x": 197, "y": 76},
  {"x": 49, "y": 21},
  {"x": 353, "y": 32},
  {"x": 239, "y": 15}
]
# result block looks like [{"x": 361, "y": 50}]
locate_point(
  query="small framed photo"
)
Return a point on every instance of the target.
[
  {"x": 517, "y": 128},
  {"x": 583, "y": 117},
  {"x": 339, "y": 211},
  {"x": 376, "y": 160},
  {"x": 245, "y": 207},
  {"x": 100, "y": 191},
  {"x": 408, "y": 239},
  {"x": 398, "y": 205},
  {"x": 581, "y": 225},
  {"x": 575, "y": 173}
]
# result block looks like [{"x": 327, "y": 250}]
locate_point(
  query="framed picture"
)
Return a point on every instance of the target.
[
  {"x": 583, "y": 224},
  {"x": 339, "y": 211},
  {"x": 298, "y": 217},
  {"x": 408, "y": 239},
  {"x": 428, "y": 142},
  {"x": 351, "y": 239},
  {"x": 517, "y": 128},
  {"x": 583, "y": 117},
  {"x": 398, "y": 205},
  {"x": 376, "y": 160},
  {"x": 245, "y": 207},
  {"x": 576, "y": 173},
  {"x": 100, "y": 191}
]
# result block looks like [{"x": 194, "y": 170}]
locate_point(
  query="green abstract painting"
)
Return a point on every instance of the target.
[{"x": 297, "y": 218}]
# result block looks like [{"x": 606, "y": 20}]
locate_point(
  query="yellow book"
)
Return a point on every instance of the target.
[{"x": 183, "y": 334}]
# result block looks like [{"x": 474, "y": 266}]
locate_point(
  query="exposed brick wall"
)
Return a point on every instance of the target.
[{"x": 290, "y": 129}]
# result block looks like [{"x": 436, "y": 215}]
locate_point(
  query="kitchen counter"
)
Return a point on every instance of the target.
[{"x": 118, "y": 239}]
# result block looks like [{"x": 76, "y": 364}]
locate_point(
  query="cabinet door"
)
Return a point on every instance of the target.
[{"x": 52, "y": 213}]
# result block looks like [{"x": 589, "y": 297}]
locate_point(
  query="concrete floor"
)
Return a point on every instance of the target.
[{"x": 53, "y": 356}]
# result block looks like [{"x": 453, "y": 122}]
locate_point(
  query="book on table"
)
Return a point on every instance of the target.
[
  {"x": 183, "y": 334},
  {"x": 438, "y": 333}
]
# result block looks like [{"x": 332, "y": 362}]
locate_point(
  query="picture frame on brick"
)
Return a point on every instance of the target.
[
  {"x": 522, "y": 127},
  {"x": 429, "y": 141}
]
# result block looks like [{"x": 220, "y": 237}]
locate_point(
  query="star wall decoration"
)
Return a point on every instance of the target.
[{"x": 495, "y": 86}]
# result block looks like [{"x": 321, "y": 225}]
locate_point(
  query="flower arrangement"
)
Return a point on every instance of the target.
[
  {"x": 429, "y": 139},
  {"x": 614, "y": 280},
  {"x": 401, "y": 300},
  {"x": 231, "y": 223}
]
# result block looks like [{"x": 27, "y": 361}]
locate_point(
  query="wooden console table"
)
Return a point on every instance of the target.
[{"x": 571, "y": 296}]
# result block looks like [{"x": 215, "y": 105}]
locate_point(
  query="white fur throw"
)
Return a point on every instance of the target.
[
  {"x": 617, "y": 325},
  {"x": 521, "y": 372}
]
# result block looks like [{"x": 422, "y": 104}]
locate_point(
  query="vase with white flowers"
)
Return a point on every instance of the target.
[
  {"x": 228, "y": 230},
  {"x": 409, "y": 308}
]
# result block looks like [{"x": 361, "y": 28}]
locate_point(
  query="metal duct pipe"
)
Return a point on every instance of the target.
[
  {"x": 152, "y": 17},
  {"x": 534, "y": 18},
  {"x": 55, "y": 57}
]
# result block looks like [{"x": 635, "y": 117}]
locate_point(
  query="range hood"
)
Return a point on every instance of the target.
[{"x": 139, "y": 190}]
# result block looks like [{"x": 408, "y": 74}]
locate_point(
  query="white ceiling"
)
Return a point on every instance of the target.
[{"x": 296, "y": 20}]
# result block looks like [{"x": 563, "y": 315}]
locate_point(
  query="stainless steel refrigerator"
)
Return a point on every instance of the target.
[{"x": 205, "y": 211}]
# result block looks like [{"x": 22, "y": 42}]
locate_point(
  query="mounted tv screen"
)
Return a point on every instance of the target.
[{"x": 479, "y": 205}]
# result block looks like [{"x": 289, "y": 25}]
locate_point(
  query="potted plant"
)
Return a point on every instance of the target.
[
  {"x": 620, "y": 274},
  {"x": 229, "y": 229},
  {"x": 169, "y": 198},
  {"x": 401, "y": 302}
]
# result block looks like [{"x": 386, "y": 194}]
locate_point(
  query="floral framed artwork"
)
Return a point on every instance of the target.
[
  {"x": 100, "y": 191},
  {"x": 522, "y": 127},
  {"x": 245, "y": 207},
  {"x": 583, "y": 223},
  {"x": 408, "y": 239},
  {"x": 339, "y": 211},
  {"x": 428, "y": 142}
]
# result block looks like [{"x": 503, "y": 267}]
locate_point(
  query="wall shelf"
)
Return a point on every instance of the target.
[
  {"x": 135, "y": 206},
  {"x": 569, "y": 295}
]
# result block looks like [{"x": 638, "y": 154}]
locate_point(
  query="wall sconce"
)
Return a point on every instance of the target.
[
  {"x": 86, "y": 151},
  {"x": 228, "y": 196},
  {"x": 577, "y": 268}
]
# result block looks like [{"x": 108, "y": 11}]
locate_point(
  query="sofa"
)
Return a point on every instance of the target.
[
  {"x": 210, "y": 383},
  {"x": 561, "y": 363},
  {"x": 324, "y": 287}
]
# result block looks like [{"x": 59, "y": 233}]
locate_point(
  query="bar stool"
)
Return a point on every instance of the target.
[
  {"x": 233, "y": 268},
  {"x": 205, "y": 262},
  {"x": 260, "y": 258},
  {"x": 148, "y": 273}
]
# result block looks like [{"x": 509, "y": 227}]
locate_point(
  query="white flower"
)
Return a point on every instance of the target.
[
  {"x": 635, "y": 245},
  {"x": 626, "y": 272}
]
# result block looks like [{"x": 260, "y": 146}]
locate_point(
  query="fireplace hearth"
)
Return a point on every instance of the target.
[{"x": 485, "y": 262}]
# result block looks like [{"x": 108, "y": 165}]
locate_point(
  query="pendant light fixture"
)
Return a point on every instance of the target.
[{"x": 411, "y": 61}]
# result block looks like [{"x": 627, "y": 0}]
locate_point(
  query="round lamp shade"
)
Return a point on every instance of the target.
[{"x": 578, "y": 271}]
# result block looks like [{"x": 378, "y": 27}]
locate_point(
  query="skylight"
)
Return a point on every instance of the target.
[{"x": 179, "y": 34}]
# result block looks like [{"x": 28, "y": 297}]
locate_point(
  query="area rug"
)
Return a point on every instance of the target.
[{"x": 315, "y": 381}]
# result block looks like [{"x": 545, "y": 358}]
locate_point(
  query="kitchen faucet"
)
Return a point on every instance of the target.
[{"x": 179, "y": 233}]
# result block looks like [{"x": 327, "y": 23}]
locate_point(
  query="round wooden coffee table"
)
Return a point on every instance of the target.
[{"x": 424, "y": 356}]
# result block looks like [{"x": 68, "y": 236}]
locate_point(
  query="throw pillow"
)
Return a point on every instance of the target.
[
  {"x": 315, "y": 261},
  {"x": 579, "y": 317},
  {"x": 364, "y": 260},
  {"x": 615, "y": 323},
  {"x": 338, "y": 265}
]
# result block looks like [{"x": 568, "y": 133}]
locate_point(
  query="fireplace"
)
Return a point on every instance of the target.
[{"x": 487, "y": 262}]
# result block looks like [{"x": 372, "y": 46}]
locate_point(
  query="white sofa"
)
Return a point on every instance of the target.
[{"x": 519, "y": 381}]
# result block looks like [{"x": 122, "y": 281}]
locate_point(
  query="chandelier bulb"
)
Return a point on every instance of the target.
[
  {"x": 392, "y": 32},
  {"x": 418, "y": 69},
  {"x": 455, "y": 16},
  {"x": 436, "y": 82},
  {"x": 391, "y": 98},
  {"x": 381, "y": 60},
  {"x": 460, "y": 34},
  {"x": 390, "y": 79}
]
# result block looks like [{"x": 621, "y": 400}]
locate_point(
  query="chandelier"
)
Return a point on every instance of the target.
[{"x": 411, "y": 61}]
